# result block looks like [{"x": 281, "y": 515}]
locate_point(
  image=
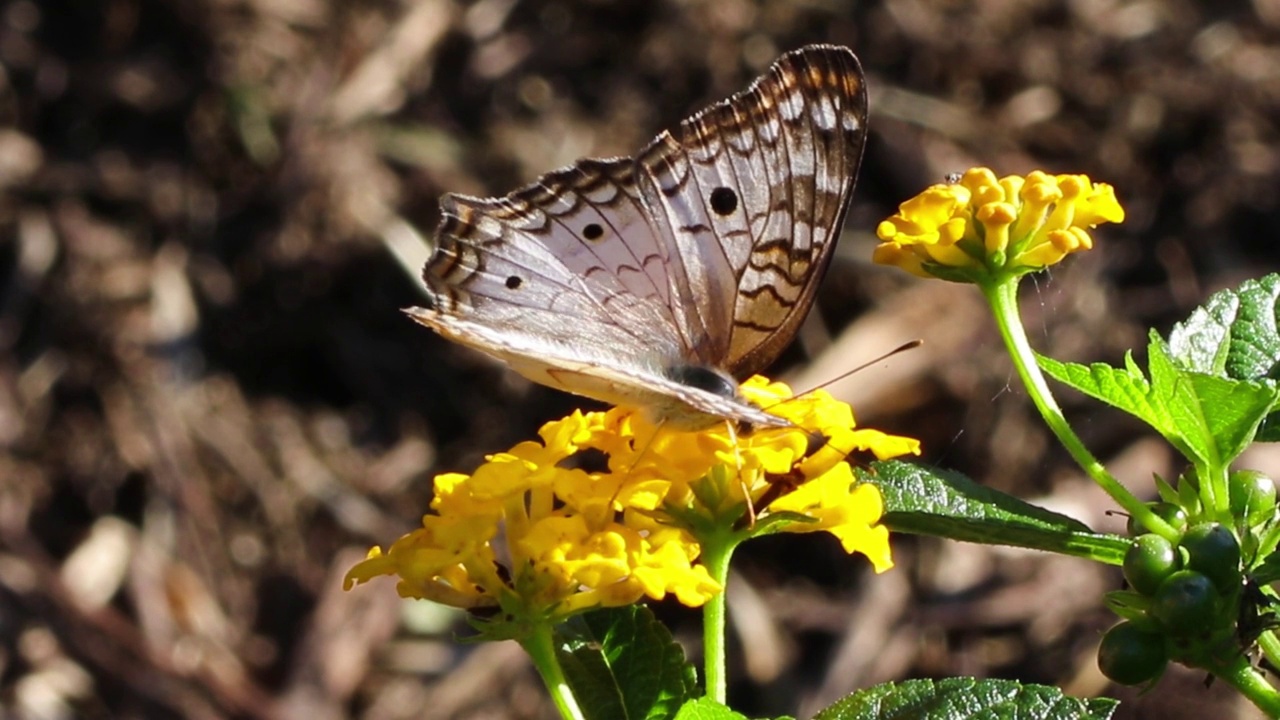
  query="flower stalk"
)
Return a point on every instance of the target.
[
  {"x": 990, "y": 232},
  {"x": 716, "y": 553},
  {"x": 540, "y": 644},
  {"x": 1002, "y": 296}
]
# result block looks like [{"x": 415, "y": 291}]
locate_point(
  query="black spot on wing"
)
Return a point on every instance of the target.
[{"x": 724, "y": 201}]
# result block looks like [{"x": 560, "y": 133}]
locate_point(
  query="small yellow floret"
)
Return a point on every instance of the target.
[
  {"x": 982, "y": 227},
  {"x": 575, "y": 539}
]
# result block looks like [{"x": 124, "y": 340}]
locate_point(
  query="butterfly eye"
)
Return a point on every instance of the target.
[
  {"x": 592, "y": 231},
  {"x": 702, "y": 377},
  {"x": 513, "y": 282},
  {"x": 724, "y": 200}
]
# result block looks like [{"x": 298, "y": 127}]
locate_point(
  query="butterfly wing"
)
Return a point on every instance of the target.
[
  {"x": 568, "y": 262},
  {"x": 578, "y": 280},
  {"x": 566, "y": 282},
  {"x": 628, "y": 384},
  {"x": 753, "y": 192}
]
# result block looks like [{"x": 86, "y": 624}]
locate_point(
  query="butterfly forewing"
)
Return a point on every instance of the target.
[
  {"x": 569, "y": 258},
  {"x": 755, "y": 188},
  {"x": 706, "y": 249}
]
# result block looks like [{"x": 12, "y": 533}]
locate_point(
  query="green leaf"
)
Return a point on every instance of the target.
[
  {"x": 1128, "y": 605},
  {"x": 1166, "y": 491},
  {"x": 1209, "y": 419},
  {"x": 707, "y": 709},
  {"x": 1126, "y": 388},
  {"x": 1268, "y": 571},
  {"x": 1235, "y": 335},
  {"x": 966, "y": 699},
  {"x": 1215, "y": 418},
  {"x": 925, "y": 501},
  {"x": 622, "y": 664}
]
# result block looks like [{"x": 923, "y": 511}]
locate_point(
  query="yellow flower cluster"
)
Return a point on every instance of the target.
[
  {"x": 982, "y": 227},
  {"x": 536, "y": 534}
]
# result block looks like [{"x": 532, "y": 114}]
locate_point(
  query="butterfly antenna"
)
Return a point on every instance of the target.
[{"x": 904, "y": 347}]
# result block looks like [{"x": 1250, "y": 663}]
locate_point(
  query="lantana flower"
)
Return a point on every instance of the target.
[
  {"x": 719, "y": 475},
  {"x": 536, "y": 532},
  {"x": 561, "y": 551},
  {"x": 982, "y": 227}
]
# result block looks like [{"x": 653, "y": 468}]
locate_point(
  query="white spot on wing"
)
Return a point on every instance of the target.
[
  {"x": 770, "y": 129},
  {"x": 792, "y": 106},
  {"x": 824, "y": 114},
  {"x": 826, "y": 181}
]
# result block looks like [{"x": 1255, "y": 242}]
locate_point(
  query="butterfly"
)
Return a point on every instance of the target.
[{"x": 653, "y": 281}]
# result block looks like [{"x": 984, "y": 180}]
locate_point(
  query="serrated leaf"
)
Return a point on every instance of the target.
[
  {"x": 926, "y": 501},
  {"x": 1214, "y": 418},
  {"x": 1235, "y": 334},
  {"x": 1228, "y": 411},
  {"x": 966, "y": 699},
  {"x": 1202, "y": 342},
  {"x": 1126, "y": 388},
  {"x": 622, "y": 664},
  {"x": 1208, "y": 419},
  {"x": 707, "y": 709}
]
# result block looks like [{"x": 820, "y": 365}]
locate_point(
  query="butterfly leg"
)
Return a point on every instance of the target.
[
  {"x": 780, "y": 485},
  {"x": 746, "y": 491}
]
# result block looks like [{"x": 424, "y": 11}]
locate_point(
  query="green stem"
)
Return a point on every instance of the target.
[
  {"x": 1213, "y": 490},
  {"x": 1270, "y": 647},
  {"x": 1002, "y": 295},
  {"x": 1244, "y": 678},
  {"x": 716, "y": 552},
  {"x": 541, "y": 648}
]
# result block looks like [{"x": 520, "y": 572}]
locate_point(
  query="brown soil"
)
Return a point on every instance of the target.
[{"x": 210, "y": 405}]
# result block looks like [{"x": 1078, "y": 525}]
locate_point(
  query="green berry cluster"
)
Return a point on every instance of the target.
[{"x": 1184, "y": 595}]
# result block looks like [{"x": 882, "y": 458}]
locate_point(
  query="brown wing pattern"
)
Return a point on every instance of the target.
[
  {"x": 604, "y": 277},
  {"x": 571, "y": 258},
  {"x": 754, "y": 191}
]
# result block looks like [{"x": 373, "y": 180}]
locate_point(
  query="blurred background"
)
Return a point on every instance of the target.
[{"x": 211, "y": 406}]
